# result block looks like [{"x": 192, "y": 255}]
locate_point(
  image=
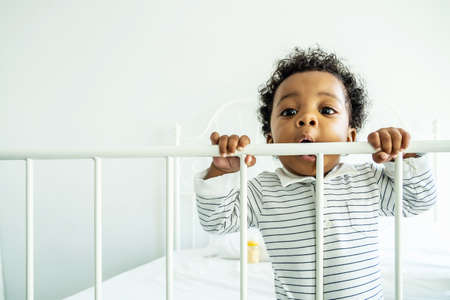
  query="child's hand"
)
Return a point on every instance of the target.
[
  {"x": 228, "y": 145},
  {"x": 389, "y": 142}
]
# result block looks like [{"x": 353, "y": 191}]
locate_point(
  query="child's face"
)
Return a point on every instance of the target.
[{"x": 310, "y": 105}]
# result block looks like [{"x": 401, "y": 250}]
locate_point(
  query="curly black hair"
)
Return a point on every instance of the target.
[{"x": 314, "y": 59}]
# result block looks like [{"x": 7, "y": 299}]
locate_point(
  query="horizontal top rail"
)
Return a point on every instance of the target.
[{"x": 210, "y": 150}]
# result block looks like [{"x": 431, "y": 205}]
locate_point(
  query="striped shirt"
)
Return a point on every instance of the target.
[{"x": 282, "y": 206}]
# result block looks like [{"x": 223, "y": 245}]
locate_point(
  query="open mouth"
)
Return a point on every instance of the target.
[
  {"x": 306, "y": 139},
  {"x": 311, "y": 158}
]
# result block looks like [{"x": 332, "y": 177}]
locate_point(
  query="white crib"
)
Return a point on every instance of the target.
[
  {"x": 177, "y": 151},
  {"x": 201, "y": 257}
]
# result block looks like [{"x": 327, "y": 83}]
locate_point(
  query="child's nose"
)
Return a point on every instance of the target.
[{"x": 308, "y": 120}]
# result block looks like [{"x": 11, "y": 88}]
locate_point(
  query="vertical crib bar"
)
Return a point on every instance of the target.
[
  {"x": 319, "y": 226},
  {"x": 194, "y": 222},
  {"x": 398, "y": 227},
  {"x": 169, "y": 226},
  {"x": 177, "y": 221},
  {"x": 98, "y": 228},
  {"x": 30, "y": 230},
  {"x": 435, "y": 170},
  {"x": 177, "y": 191},
  {"x": 243, "y": 226}
]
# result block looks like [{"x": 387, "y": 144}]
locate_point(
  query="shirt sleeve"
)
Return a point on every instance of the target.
[
  {"x": 218, "y": 202},
  {"x": 419, "y": 189}
]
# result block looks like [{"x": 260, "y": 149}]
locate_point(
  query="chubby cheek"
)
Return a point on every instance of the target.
[
  {"x": 280, "y": 131},
  {"x": 340, "y": 136},
  {"x": 337, "y": 133}
]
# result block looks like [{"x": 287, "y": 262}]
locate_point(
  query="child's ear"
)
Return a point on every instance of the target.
[
  {"x": 269, "y": 139},
  {"x": 351, "y": 135}
]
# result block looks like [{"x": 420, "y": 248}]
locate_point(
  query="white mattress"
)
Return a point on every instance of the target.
[{"x": 199, "y": 276}]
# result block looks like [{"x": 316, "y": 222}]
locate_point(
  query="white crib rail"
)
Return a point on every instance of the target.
[
  {"x": 194, "y": 151},
  {"x": 319, "y": 226},
  {"x": 243, "y": 224},
  {"x": 398, "y": 228},
  {"x": 319, "y": 149},
  {"x": 98, "y": 227},
  {"x": 30, "y": 230},
  {"x": 170, "y": 178}
]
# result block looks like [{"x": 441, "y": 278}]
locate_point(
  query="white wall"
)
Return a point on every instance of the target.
[{"x": 103, "y": 73}]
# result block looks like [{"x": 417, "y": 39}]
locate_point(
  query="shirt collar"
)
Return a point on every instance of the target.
[{"x": 287, "y": 178}]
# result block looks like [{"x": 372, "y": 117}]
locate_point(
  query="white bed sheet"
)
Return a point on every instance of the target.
[{"x": 197, "y": 275}]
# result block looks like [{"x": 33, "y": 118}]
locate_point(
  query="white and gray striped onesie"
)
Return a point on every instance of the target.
[{"x": 282, "y": 206}]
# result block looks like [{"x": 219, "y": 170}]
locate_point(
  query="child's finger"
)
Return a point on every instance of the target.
[
  {"x": 374, "y": 139},
  {"x": 243, "y": 141},
  {"x": 250, "y": 160},
  {"x": 380, "y": 157},
  {"x": 223, "y": 145},
  {"x": 232, "y": 143},
  {"x": 386, "y": 140},
  {"x": 406, "y": 138},
  {"x": 396, "y": 140},
  {"x": 214, "y": 138}
]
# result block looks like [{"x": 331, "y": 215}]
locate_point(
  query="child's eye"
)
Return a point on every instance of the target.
[
  {"x": 289, "y": 112},
  {"x": 327, "y": 110}
]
